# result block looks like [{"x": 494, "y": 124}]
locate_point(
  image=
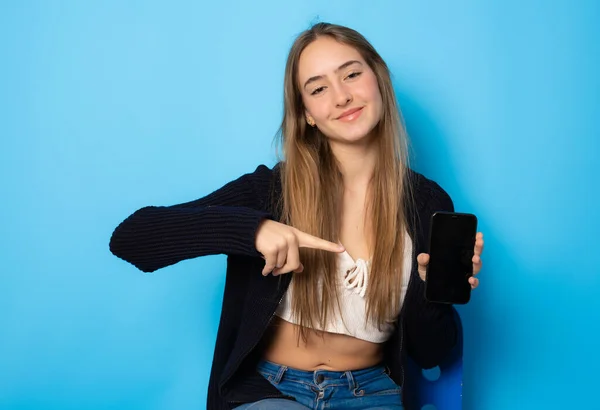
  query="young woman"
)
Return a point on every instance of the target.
[{"x": 326, "y": 264}]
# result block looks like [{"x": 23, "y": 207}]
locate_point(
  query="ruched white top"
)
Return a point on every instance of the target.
[{"x": 353, "y": 281}]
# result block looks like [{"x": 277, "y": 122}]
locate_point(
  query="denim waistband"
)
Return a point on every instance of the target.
[{"x": 276, "y": 372}]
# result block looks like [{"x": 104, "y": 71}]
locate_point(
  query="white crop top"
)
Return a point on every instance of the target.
[{"x": 353, "y": 280}]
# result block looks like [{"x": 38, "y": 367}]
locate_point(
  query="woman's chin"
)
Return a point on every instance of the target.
[{"x": 355, "y": 137}]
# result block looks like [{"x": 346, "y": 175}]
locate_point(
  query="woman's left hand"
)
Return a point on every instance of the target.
[{"x": 423, "y": 260}]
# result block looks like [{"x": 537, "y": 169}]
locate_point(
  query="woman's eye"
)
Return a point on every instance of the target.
[
  {"x": 354, "y": 75},
  {"x": 317, "y": 91}
]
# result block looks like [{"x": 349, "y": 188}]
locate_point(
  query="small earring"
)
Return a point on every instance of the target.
[{"x": 310, "y": 121}]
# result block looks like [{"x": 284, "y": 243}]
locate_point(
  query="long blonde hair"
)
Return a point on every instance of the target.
[{"x": 312, "y": 189}]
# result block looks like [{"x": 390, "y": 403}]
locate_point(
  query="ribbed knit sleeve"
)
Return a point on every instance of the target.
[
  {"x": 223, "y": 222},
  {"x": 431, "y": 330}
]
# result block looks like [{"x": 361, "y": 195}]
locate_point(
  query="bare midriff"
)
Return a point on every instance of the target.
[{"x": 322, "y": 350}]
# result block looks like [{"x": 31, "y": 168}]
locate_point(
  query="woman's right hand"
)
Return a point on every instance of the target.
[{"x": 279, "y": 244}]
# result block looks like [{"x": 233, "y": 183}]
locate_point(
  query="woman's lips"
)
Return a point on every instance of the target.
[{"x": 351, "y": 115}]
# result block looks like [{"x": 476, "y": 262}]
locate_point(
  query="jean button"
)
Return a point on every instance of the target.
[{"x": 320, "y": 378}]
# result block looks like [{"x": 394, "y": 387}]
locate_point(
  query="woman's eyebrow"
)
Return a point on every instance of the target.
[{"x": 320, "y": 77}]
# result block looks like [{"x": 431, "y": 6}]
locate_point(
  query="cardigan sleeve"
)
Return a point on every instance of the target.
[
  {"x": 431, "y": 330},
  {"x": 222, "y": 222}
]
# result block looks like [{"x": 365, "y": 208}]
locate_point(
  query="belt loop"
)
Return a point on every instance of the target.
[
  {"x": 279, "y": 375},
  {"x": 351, "y": 382}
]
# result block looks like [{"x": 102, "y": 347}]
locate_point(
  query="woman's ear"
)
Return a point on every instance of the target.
[{"x": 310, "y": 120}]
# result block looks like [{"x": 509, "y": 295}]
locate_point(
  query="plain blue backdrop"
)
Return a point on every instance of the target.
[{"x": 109, "y": 106}]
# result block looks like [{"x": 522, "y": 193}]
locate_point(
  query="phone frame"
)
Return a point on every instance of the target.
[{"x": 470, "y": 274}]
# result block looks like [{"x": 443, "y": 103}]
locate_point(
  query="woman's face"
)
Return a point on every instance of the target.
[{"x": 339, "y": 91}]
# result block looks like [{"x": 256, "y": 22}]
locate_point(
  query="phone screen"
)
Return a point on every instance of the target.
[{"x": 451, "y": 249}]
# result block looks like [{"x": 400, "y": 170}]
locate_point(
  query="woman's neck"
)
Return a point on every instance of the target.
[{"x": 357, "y": 163}]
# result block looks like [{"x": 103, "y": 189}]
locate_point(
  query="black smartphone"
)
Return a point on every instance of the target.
[{"x": 451, "y": 250}]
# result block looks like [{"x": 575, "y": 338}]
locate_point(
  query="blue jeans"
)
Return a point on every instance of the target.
[{"x": 364, "y": 389}]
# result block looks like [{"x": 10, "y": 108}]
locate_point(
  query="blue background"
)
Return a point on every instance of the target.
[{"x": 106, "y": 107}]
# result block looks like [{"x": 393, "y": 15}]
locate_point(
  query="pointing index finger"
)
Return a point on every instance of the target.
[{"x": 308, "y": 241}]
